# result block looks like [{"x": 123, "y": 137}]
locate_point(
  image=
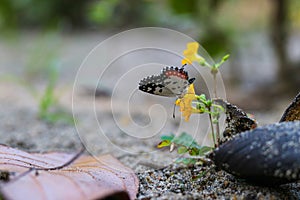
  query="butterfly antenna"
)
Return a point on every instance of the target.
[{"x": 184, "y": 65}]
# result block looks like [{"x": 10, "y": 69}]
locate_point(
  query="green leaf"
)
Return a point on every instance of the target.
[
  {"x": 202, "y": 97},
  {"x": 225, "y": 57},
  {"x": 203, "y": 63},
  {"x": 186, "y": 161},
  {"x": 194, "y": 151},
  {"x": 167, "y": 137},
  {"x": 199, "y": 151},
  {"x": 182, "y": 150},
  {"x": 208, "y": 103},
  {"x": 204, "y": 149},
  {"x": 184, "y": 139},
  {"x": 164, "y": 143},
  {"x": 200, "y": 106},
  {"x": 186, "y": 144},
  {"x": 221, "y": 62}
]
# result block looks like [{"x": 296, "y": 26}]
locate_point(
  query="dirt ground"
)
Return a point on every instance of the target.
[
  {"x": 105, "y": 131},
  {"x": 160, "y": 177}
]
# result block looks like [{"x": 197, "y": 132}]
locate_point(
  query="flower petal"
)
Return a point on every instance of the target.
[
  {"x": 191, "y": 53},
  {"x": 185, "y": 103}
]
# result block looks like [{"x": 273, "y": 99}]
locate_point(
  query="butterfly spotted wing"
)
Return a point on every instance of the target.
[{"x": 171, "y": 82}]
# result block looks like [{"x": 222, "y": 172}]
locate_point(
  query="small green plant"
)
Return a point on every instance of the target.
[
  {"x": 203, "y": 105},
  {"x": 191, "y": 103},
  {"x": 185, "y": 143},
  {"x": 42, "y": 71},
  {"x": 43, "y": 67},
  {"x": 49, "y": 101}
]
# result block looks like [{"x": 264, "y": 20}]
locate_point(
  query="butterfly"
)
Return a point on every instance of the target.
[{"x": 171, "y": 82}]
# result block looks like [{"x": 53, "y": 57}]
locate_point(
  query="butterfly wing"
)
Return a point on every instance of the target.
[
  {"x": 155, "y": 85},
  {"x": 171, "y": 82},
  {"x": 177, "y": 80}
]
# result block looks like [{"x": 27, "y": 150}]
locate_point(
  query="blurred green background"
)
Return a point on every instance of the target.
[{"x": 262, "y": 36}]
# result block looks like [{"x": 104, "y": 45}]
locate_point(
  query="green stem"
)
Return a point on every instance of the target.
[
  {"x": 212, "y": 129},
  {"x": 215, "y": 85},
  {"x": 207, "y": 64},
  {"x": 216, "y": 96},
  {"x": 218, "y": 133}
]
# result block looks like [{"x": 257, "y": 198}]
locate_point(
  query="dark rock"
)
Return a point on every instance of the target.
[
  {"x": 237, "y": 120},
  {"x": 266, "y": 155},
  {"x": 293, "y": 111}
]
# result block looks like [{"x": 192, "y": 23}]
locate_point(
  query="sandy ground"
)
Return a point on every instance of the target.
[
  {"x": 160, "y": 177},
  {"x": 129, "y": 131}
]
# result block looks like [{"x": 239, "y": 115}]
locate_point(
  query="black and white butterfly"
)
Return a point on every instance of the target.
[{"x": 171, "y": 82}]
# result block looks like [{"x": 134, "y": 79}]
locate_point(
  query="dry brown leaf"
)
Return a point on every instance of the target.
[{"x": 86, "y": 178}]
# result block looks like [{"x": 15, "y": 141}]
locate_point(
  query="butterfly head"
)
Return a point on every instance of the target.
[{"x": 191, "y": 80}]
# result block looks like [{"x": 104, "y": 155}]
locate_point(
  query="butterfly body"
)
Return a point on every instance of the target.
[{"x": 171, "y": 82}]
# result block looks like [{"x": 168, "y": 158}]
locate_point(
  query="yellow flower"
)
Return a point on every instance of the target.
[
  {"x": 191, "y": 54},
  {"x": 185, "y": 103}
]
